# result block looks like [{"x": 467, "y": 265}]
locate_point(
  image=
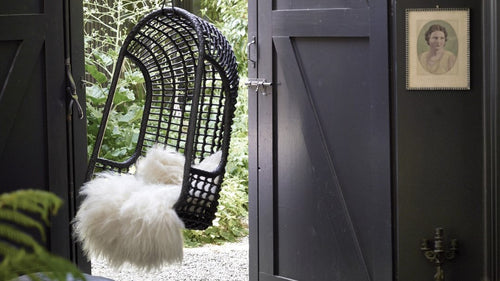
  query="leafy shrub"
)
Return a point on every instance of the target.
[
  {"x": 107, "y": 23},
  {"x": 231, "y": 18}
]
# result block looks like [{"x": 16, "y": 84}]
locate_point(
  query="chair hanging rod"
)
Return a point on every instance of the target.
[{"x": 165, "y": 2}]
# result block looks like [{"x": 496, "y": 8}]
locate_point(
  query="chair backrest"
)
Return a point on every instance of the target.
[{"x": 191, "y": 84}]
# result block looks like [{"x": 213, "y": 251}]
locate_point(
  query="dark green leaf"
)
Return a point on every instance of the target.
[{"x": 96, "y": 74}]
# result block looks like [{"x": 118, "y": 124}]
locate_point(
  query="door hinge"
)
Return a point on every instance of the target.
[{"x": 259, "y": 83}]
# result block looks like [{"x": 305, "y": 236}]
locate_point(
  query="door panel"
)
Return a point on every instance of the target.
[
  {"x": 317, "y": 4},
  {"x": 323, "y": 163},
  {"x": 23, "y": 7},
  {"x": 38, "y": 137},
  {"x": 319, "y": 23},
  {"x": 305, "y": 150}
]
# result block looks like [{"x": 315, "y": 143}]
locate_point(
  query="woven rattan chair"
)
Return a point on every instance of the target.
[{"x": 191, "y": 83}]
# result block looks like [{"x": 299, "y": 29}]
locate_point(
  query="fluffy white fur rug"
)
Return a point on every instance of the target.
[
  {"x": 129, "y": 218},
  {"x": 160, "y": 165},
  {"x": 209, "y": 164}
]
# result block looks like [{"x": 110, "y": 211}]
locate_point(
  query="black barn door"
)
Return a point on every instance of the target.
[
  {"x": 320, "y": 182},
  {"x": 41, "y": 145}
]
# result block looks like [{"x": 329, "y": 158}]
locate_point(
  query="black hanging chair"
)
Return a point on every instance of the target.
[{"x": 191, "y": 84}]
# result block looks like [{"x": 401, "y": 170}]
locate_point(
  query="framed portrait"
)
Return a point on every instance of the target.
[{"x": 437, "y": 49}]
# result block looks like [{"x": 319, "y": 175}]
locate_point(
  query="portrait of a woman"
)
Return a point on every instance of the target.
[{"x": 437, "y": 60}]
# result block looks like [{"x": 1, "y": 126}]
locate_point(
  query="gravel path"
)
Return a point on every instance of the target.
[{"x": 227, "y": 262}]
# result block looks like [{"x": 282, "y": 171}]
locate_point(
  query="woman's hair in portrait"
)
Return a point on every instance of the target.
[{"x": 435, "y": 27}]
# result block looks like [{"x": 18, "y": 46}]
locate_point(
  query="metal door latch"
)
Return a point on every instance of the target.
[
  {"x": 437, "y": 254},
  {"x": 71, "y": 90},
  {"x": 258, "y": 83}
]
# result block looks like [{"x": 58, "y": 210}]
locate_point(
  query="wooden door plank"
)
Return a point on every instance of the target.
[
  {"x": 339, "y": 219},
  {"x": 20, "y": 27},
  {"x": 265, "y": 139},
  {"x": 14, "y": 89},
  {"x": 344, "y": 22}
]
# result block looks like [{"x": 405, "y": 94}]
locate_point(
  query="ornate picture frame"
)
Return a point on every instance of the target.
[{"x": 438, "y": 49}]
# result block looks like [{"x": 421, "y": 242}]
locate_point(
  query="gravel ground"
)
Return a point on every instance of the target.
[{"x": 227, "y": 262}]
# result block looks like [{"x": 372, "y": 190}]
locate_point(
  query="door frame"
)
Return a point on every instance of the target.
[
  {"x": 77, "y": 128},
  {"x": 491, "y": 106},
  {"x": 253, "y": 195}
]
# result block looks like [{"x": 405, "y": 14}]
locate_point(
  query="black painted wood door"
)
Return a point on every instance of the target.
[
  {"x": 41, "y": 145},
  {"x": 320, "y": 175}
]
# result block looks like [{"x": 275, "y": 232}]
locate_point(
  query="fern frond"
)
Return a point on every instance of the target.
[
  {"x": 40, "y": 202},
  {"x": 14, "y": 235},
  {"x": 6, "y": 274},
  {"x": 23, "y": 263},
  {"x": 22, "y": 220},
  {"x": 21, "y": 254},
  {"x": 7, "y": 249}
]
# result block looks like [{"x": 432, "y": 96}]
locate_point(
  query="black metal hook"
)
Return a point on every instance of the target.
[{"x": 71, "y": 90}]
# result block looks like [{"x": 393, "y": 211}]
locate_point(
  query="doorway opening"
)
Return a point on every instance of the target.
[{"x": 107, "y": 23}]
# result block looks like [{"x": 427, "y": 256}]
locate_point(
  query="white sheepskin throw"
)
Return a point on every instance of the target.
[
  {"x": 161, "y": 165},
  {"x": 211, "y": 162},
  {"x": 208, "y": 164},
  {"x": 129, "y": 219}
]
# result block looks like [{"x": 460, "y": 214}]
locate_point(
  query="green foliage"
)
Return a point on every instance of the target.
[
  {"x": 123, "y": 125},
  {"x": 231, "y": 18},
  {"x": 106, "y": 28},
  {"x": 107, "y": 23},
  {"x": 20, "y": 253},
  {"x": 237, "y": 165}
]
